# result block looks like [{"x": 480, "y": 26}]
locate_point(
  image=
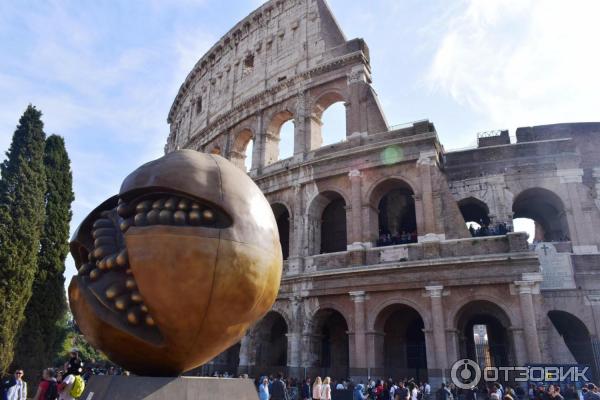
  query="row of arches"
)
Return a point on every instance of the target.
[
  {"x": 394, "y": 200},
  {"x": 327, "y": 124},
  {"x": 483, "y": 333},
  {"x": 327, "y": 218},
  {"x": 538, "y": 211}
]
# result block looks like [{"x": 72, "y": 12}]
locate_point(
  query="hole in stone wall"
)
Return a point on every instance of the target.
[
  {"x": 248, "y": 159},
  {"x": 333, "y": 129},
  {"x": 525, "y": 225},
  {"x": 199, "y": 105},
  {"x": 286, "y": 137}
]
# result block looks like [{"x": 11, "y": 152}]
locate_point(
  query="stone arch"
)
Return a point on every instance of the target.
[
  {"x": 330, "y": 344},
  {"x": 484, "y": 333},
  {"x": 576, "y": 338},
  {"x": 283, "y": 217},
  {"x": 399, "y": 342},
  {"x": 273, "y": 134},
  {"x": 393, "y": 209},
  {"x": 241, "y": 140},
  {"x": 379, "y": 308},
  {"x": 270, "y": 342},
  {"x": 324, "y": 100},
  {"x": 327, "y": 225},
  {"x": 474, "y": 210},
  {"x": 546, "y": 209},
  {"x": 452, "y": 312}
]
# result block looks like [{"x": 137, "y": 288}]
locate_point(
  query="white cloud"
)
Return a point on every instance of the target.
[{"x": 520, "y": 62}]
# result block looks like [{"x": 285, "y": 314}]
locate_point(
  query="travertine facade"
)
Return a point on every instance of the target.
[{"x": 349, "y": 306}]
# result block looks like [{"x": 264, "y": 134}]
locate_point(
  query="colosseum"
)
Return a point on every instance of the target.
[{"x": 382, "y": 276}]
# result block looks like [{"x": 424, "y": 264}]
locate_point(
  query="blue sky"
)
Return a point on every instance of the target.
[{"x": 105, "y": 72}]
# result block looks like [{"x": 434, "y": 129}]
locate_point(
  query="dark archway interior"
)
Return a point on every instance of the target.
[
  {"x": 272, "y": 341},
  {"x": 404, "y": 343},
  {"x": 397, "y": 216},
  {"x": 282, "y": 216},
  {"x": 333, "y": 331},
  {"x": 333, "y": 226},
  {"x": 474, "y": 210},
  {"x": 496, "y": 349},
  {"x": 575, "y": 335},
  {"x": 546, "y": 210}
]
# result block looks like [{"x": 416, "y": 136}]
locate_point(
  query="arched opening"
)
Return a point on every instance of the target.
[
  {"x": 402, "y": 350},
  {"x": 333, "y": 128},
  {"x": 331, "y": 331},
  {"x": 576, "y": 338},
  {"x": 282, "y": 216},
  {"x": 279, "y": 140},
  {"x": 241, "y": 150},
  {"x": 525, "y": 225},
  {"x": 547, "y": 211},
  {"x": 248, "y": 155},
  {"x": 328, "y": 120},
  {"x": 228, "y": 361},
  {"x": 271, "y": 343},
  {"x": 483, "y": 334},
  {"x": 327, "y": 223},
  {"x": 286, "y": 139},
  {"x": 474, "y": 211},
  {"x": 397, "y": 220},
  {"x": 476, "y": 215}
]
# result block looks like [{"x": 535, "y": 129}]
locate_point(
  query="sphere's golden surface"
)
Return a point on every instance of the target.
[{"x": 176, "y": 268}]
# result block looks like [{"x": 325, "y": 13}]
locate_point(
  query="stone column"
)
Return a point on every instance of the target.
[
  {"x": 294, "y": 337},
  {"x": 525, "y": 290},
  {"x": 424, "y": 164},
  {"x": 594, "y": 302},
  {"x": 439, "y": 330},
  {"x": 356, "y": 202},
  {"x": 244, "y": 366},
  {"x": 360, "y": 338}
]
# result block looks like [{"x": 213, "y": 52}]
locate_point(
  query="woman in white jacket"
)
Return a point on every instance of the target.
[
  {"x": 316, "y": 389},
  {"x": 326, "y": 389}
]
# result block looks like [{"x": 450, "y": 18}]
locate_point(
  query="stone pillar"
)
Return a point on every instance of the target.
[
  {"x": 297, "y": 221},
  {"x": 244, "y": 366},
  {"x": 294, "y": 343},
  {"x": 355, "y": 235},
  {"x": 360, "y": 338},
  {"x": 424, "y": 164},
  {"x": 519, "y": 345},
  {"x": 294, "y": 337},
  {"x": 528, "y": 318},
  {"x": 594, "y": 301},
  {"x": 439, "y": 331}
]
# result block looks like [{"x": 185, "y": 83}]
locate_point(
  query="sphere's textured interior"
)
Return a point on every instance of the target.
[{"x": 174, "y": 269}]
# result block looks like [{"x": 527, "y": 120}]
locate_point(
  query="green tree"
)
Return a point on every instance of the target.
[
  {"x": 22, "y": 188},
  {"x": 42, "y": 335}
]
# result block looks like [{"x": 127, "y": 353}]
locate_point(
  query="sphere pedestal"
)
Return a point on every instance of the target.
[{"x": 104, "y": 387}]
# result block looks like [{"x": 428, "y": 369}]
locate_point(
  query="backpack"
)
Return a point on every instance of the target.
[
  {"x": 52, "y": 392},
  {"x": 78, "y": 387}
]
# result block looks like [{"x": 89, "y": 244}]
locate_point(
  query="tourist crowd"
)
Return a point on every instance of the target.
[
  {"x": 279, "y": 388},
  {"x": 387, "y": 239},
  {"x": 66, "y": 383},
  {"x": 486, "y": 230}
]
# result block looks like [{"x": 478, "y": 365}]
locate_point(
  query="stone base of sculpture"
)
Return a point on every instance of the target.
[{"x": 104, "y": 387}]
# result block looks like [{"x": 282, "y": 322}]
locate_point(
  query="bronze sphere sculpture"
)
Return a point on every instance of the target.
[{"x": 176, "y": 268}]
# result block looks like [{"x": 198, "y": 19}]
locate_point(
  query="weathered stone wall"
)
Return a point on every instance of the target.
[{"x": 290, "y": 60}]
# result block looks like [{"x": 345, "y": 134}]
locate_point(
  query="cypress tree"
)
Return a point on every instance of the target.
[
  {"x": 42, "y": 335},
  {"x": 22, "y": 188}
]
